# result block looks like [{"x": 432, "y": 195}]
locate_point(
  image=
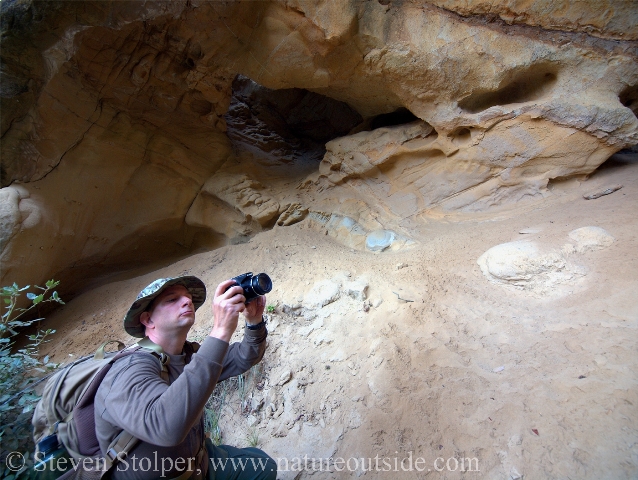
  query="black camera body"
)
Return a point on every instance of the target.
[{"x": 253, "y": 285}]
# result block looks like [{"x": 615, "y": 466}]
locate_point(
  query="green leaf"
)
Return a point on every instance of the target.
[
  {"x": 38, "y": 299},
  {"x": 52, "y": 283},
  {"x": 7, "y": 301}
]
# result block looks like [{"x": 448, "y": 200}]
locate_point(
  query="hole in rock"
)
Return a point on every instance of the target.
[
  {"x": 398, "y": 117},
  {"x": 629, "y": 98},
  {"x": 285, "y": 125},
  {"x": 461, "y": 136},
  {"x": 524, "y": 87}
]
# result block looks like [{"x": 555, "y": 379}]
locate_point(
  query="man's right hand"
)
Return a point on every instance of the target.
[{"x": 228, "y": 303}]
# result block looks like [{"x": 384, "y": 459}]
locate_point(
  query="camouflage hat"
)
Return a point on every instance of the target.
[{"x": 194, "y": 285}]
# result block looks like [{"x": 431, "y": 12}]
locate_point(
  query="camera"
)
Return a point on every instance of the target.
[{"x": 253, "y": 285}]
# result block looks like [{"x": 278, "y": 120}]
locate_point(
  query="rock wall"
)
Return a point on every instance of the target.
[{"x": 115, "y": 149}]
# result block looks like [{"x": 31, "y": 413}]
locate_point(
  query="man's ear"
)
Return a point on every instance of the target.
[{"x": 145, "y": 319}]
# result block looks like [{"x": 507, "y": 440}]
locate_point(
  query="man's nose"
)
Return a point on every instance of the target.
[{"x": 187, "y": 301}]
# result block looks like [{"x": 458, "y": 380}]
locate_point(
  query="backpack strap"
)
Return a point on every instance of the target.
[
  {"x": 119, "y": 448},
  {"x": 156, "y": 350},
  {"x": 83, "y": 412},
  {"x": 124, "y": 442},
  {"x": 100, "y": 354}
]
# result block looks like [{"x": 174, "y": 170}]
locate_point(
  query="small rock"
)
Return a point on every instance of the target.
[
  {"x": 600, "y": 193},
  {"x": 280, "y": 431},
  {"x": 499, "y": 369},
  {"x": 590, "y": 238},
  {"x": 284, "y": 378},
  {"x": 307, "y": 330},
  {"x": 322, "y": 294},
  {"x": 293, "y": 310},
  {"x": 252, "y": 420},
  {"x": 357, "y": 290},
  {"x": 379, "y": 240},
  {"x": 256, "y": 404},
  {"x": 401, "y": 265}
]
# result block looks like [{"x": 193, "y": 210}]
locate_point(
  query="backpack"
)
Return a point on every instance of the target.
[{"x": 66, "y": 409}]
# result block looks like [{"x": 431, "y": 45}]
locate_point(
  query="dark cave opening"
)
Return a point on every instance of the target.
[
  {"x": 629, "y": 98},
  {"x": 289, "y": 124},
  {"x": 398, "y": 117}
]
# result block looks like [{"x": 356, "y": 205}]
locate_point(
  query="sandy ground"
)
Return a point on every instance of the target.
[{"x": 466, "y": 379}]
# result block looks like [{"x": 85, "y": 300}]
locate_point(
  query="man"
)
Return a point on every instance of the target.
[{"x": 167, "y": 417}]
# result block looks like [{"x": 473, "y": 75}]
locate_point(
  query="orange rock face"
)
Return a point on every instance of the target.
[{"x": 116, "y": 149}]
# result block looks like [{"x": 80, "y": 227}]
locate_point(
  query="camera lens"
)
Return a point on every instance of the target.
[{"x": 262, "y": 284}]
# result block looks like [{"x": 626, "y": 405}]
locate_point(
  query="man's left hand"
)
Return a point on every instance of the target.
[{"x": 254, "y": 310}]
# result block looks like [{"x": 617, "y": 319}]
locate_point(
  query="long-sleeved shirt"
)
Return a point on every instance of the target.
[{"x": 167, "y": 417}]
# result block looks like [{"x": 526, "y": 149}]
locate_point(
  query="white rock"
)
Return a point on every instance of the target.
[
  {"x": 521, "y": 264},
  {"x": 322, "y": 294},
  {"x": 357, "y": 289},
  {"x": 252, "y": 420},
  {"x": 591, "y": 238},
  {"x": 305, "y": 331},
  {"x": 379, "y": 240},
  {"x": 284, "y": 378}
]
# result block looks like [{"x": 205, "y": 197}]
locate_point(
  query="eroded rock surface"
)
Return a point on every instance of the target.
[{"x": 117, "y": 150}]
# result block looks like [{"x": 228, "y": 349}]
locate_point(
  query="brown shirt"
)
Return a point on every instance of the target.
[{"x": 167, "y": 417}]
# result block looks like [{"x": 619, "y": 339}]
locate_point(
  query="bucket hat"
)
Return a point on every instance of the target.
[{"x": 194, "y": 285}]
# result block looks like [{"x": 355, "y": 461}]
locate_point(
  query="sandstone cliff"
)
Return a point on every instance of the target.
[{"x": 119, "y": 147}]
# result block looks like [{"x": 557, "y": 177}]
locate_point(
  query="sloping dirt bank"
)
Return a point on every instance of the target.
[{"x": 436, "y": 362}]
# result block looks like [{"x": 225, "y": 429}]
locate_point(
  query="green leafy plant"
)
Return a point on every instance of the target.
[
  {"x": 270, "y": 309},
  {"x": 20, "y": 369}
]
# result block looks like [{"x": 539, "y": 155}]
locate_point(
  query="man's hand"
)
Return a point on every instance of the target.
[
  {"x": 255, "y": 310},
  {"x": 228, "y": 303}
]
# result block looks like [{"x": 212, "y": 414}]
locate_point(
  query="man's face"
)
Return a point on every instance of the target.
[{"x": 171, "y": 311}]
